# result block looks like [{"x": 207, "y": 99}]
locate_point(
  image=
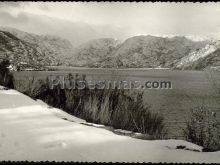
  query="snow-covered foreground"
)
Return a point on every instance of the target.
[{"x": 29, "y": 130}]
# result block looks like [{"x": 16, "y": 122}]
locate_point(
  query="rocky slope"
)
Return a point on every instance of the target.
[
  {"x": 17, "y": 51},
  {"x": 211, "y": 61},
  {"x": 208, "y": 56},
  {"x": 138, "y": 51},
  {"x": 50, "y": 47},
  {"x": 95, "y": 53},
  {"x": 150, "y": 51}
]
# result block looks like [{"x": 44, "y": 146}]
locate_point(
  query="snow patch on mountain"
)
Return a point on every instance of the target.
[{"x": 198, "y": 54}]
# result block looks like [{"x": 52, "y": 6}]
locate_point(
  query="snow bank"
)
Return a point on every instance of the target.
[{"x": 31, "y": 130}]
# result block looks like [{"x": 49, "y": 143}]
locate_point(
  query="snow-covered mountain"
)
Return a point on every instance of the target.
[{"x": 198, "y": 54}]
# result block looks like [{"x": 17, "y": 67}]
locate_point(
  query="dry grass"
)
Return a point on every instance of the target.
[{"x": 120, "y": 108}]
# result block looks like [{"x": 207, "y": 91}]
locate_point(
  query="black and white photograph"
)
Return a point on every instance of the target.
[{"x": 110, "y": 82}]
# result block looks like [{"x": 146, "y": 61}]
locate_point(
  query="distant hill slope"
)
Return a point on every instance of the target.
[
  {"x": 50, "y": 47},
  {"x": 213, "y": 60},
  {"x": 151, "y": 51},
  {"x": 16, "y": 50},
  {"x": 138, "y": 51},
  {"x": 95, "y": 53},
  {"x": 208, "y": 56}
]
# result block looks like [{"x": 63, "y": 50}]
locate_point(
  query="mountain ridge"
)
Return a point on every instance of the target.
[
  {"x": 52, "y": 47},
  {"x": 145, "y": 51}
]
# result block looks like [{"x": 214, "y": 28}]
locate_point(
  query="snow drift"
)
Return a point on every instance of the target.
[{"x": 30, "y": 130}]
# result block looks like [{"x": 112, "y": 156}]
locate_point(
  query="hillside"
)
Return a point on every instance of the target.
[
  {"x": 151, "y": 51},
  {"x": 50, "y": 47},
  {"x": 213, "y": 60},
  {"x": 95, "y": 53},
  {"x": 208, "y": 56},
  {"x": 136, "y": 52},
  {"x": 17, "y": 51}
]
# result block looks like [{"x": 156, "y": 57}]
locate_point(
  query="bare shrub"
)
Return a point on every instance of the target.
[
  {"x": 202, "y": 125},
  {"x": 120, "y": 108},
  {"x": 203, "y": 128}
]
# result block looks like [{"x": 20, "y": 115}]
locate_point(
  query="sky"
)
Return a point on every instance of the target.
[{"x": 199, "y": 19}]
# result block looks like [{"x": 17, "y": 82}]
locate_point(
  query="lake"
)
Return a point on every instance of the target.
[{"x": 189, "y": 89}]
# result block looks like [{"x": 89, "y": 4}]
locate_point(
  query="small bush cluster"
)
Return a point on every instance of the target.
[{"x": 203, "y": 128}]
